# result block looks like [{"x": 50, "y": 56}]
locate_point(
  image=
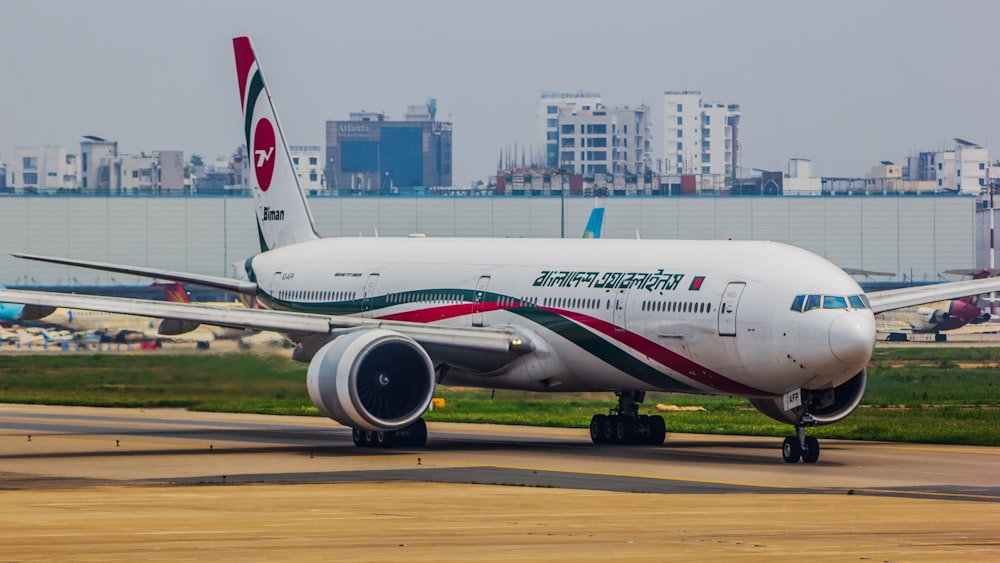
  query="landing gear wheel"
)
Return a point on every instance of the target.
[
  {"x": 607, "y": 431},
  {"x": 657, "y": 430},
  {"x": 791, "y": 450},
  {"x": 385, "y": 439},
  {"x": 624, "y": 430},
  {"x": 359, "y": 437},
  {"x": 415, "y": 434},
  {"x": 810, "y": 454},
  {"x": 597, "y": 428}
]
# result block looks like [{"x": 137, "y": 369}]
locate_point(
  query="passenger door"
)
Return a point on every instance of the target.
[{"x": 727, "y": 308}]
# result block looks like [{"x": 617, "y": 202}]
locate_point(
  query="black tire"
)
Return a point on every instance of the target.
[
  {"x": 657, "y": 430},
  {"x": 385, "y": 439},
  {"x": 811, "y": 452},
  {"x": 791, "y": 450},
  {"x": 597, "y": 428},
  {"x": 359, "y": 437},
  {"x": 608, "y": 430},
  {"x": 418, "y": 434},
  {"x": 624, "y": 431}
]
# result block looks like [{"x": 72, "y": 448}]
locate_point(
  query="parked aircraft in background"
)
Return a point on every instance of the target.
[
  {"x": 594, "y": 223},
  {"x": 110, "y": 326},
  {"x": 10, "y": 313},
  {"x": 935, "y": 317},
  {"x": 382, "y": 321}
]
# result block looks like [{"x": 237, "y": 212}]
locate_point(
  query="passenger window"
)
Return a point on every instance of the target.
[
  {"x": 834, "y": 302},
  {"x": 812, "y": 302},
  {"x": 797, "y": 303}
]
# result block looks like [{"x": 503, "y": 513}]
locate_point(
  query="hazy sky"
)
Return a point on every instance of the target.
[{"x": 846, "y": 83}]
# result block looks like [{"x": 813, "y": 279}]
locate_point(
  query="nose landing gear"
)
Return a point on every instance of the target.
[{"x": 800, "y": 446}]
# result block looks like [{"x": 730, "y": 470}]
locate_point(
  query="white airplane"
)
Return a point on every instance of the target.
[
  {"x": 382, "y": 321},
  {"x": 938, "y": 316}
]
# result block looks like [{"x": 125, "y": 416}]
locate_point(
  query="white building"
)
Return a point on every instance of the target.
[
  {"x": 964, "y": 170},
  {"x": 42, "y": 169},
  {"x": 699, "y": 137},
  {"x": 971, "y": 161},
  {"x": 99, "y": 164},
  {"x": 549, "y": 106},
  {"x": 604, "y": 140},
  {"x": 138, "y": 173},
  {"x": 307, "y": 161},
  {"x": 800, "y": 179}
]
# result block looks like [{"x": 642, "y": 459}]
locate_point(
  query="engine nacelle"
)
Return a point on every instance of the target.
[
  {"x": 371, "y": 379},
  {"x": 933, "y": 316},
  {"x": 819, "y": 407}
]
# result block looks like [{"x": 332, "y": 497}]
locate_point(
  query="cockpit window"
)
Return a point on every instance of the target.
[
  {"x": 803, "y": 303},
  {"x": 834, "y": 302}
]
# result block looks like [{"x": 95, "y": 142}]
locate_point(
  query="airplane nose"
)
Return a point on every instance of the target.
[{"x": 852, "y": 337}]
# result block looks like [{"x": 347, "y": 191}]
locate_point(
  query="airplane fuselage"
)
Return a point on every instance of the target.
[{"x": 693, "y": 316}]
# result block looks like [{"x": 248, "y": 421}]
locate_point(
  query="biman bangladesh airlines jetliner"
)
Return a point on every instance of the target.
[{"x": 382, "y": 321}]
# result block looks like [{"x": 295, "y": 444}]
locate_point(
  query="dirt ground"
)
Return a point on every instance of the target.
[{"x": 439, "y": 522}]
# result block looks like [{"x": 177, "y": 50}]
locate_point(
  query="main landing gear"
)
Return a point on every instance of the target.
[
  {"x": 800, "y": 446},
  {"x": 624, "y": 424},
  {"x": 413, "y": 436}
]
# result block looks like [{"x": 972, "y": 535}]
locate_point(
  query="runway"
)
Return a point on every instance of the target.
[{"x": 71, "y": 465}]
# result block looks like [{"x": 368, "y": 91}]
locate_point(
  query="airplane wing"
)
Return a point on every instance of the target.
[
  {"x": 918, "y": 295},
  {"x": 228, "y": 284},
  {"x": 447, "y": 340}
]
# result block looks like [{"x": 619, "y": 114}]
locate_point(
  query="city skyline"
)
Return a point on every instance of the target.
[{"x": 845, "y": 85}]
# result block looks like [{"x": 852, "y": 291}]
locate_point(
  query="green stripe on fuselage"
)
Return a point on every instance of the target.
[{"x": 602, "y": 349}]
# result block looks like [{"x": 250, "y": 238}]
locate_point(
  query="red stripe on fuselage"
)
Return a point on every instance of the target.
[{"x": 668, "y": 358}]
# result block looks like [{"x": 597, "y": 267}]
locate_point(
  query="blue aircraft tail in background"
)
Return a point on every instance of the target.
[{"x": 593, "y": 228}]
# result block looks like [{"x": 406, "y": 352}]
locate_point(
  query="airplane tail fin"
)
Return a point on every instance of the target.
[
  {"x": 175, "y": 292},
  {"x": 593, "y": 228},
  {"x": 283, "y": 216}
]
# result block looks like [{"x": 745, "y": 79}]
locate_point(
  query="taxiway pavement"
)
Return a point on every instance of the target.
[{"x": 85, "y": 483}]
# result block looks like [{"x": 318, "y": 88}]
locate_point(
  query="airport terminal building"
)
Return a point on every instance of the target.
[{"x": 912, "y": 237}]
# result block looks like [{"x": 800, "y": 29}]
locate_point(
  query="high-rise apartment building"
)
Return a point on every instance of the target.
[
  {"x": 700, "y": 137},
  {"x": 549, "y": 107},
  {"x": 604, "y": 140}
]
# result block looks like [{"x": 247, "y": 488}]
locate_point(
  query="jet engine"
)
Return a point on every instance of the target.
[
  {"x": 933, "y": 316},
  {"x": 372, "y": 380},
  {"x": 819, "y": 406}
]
